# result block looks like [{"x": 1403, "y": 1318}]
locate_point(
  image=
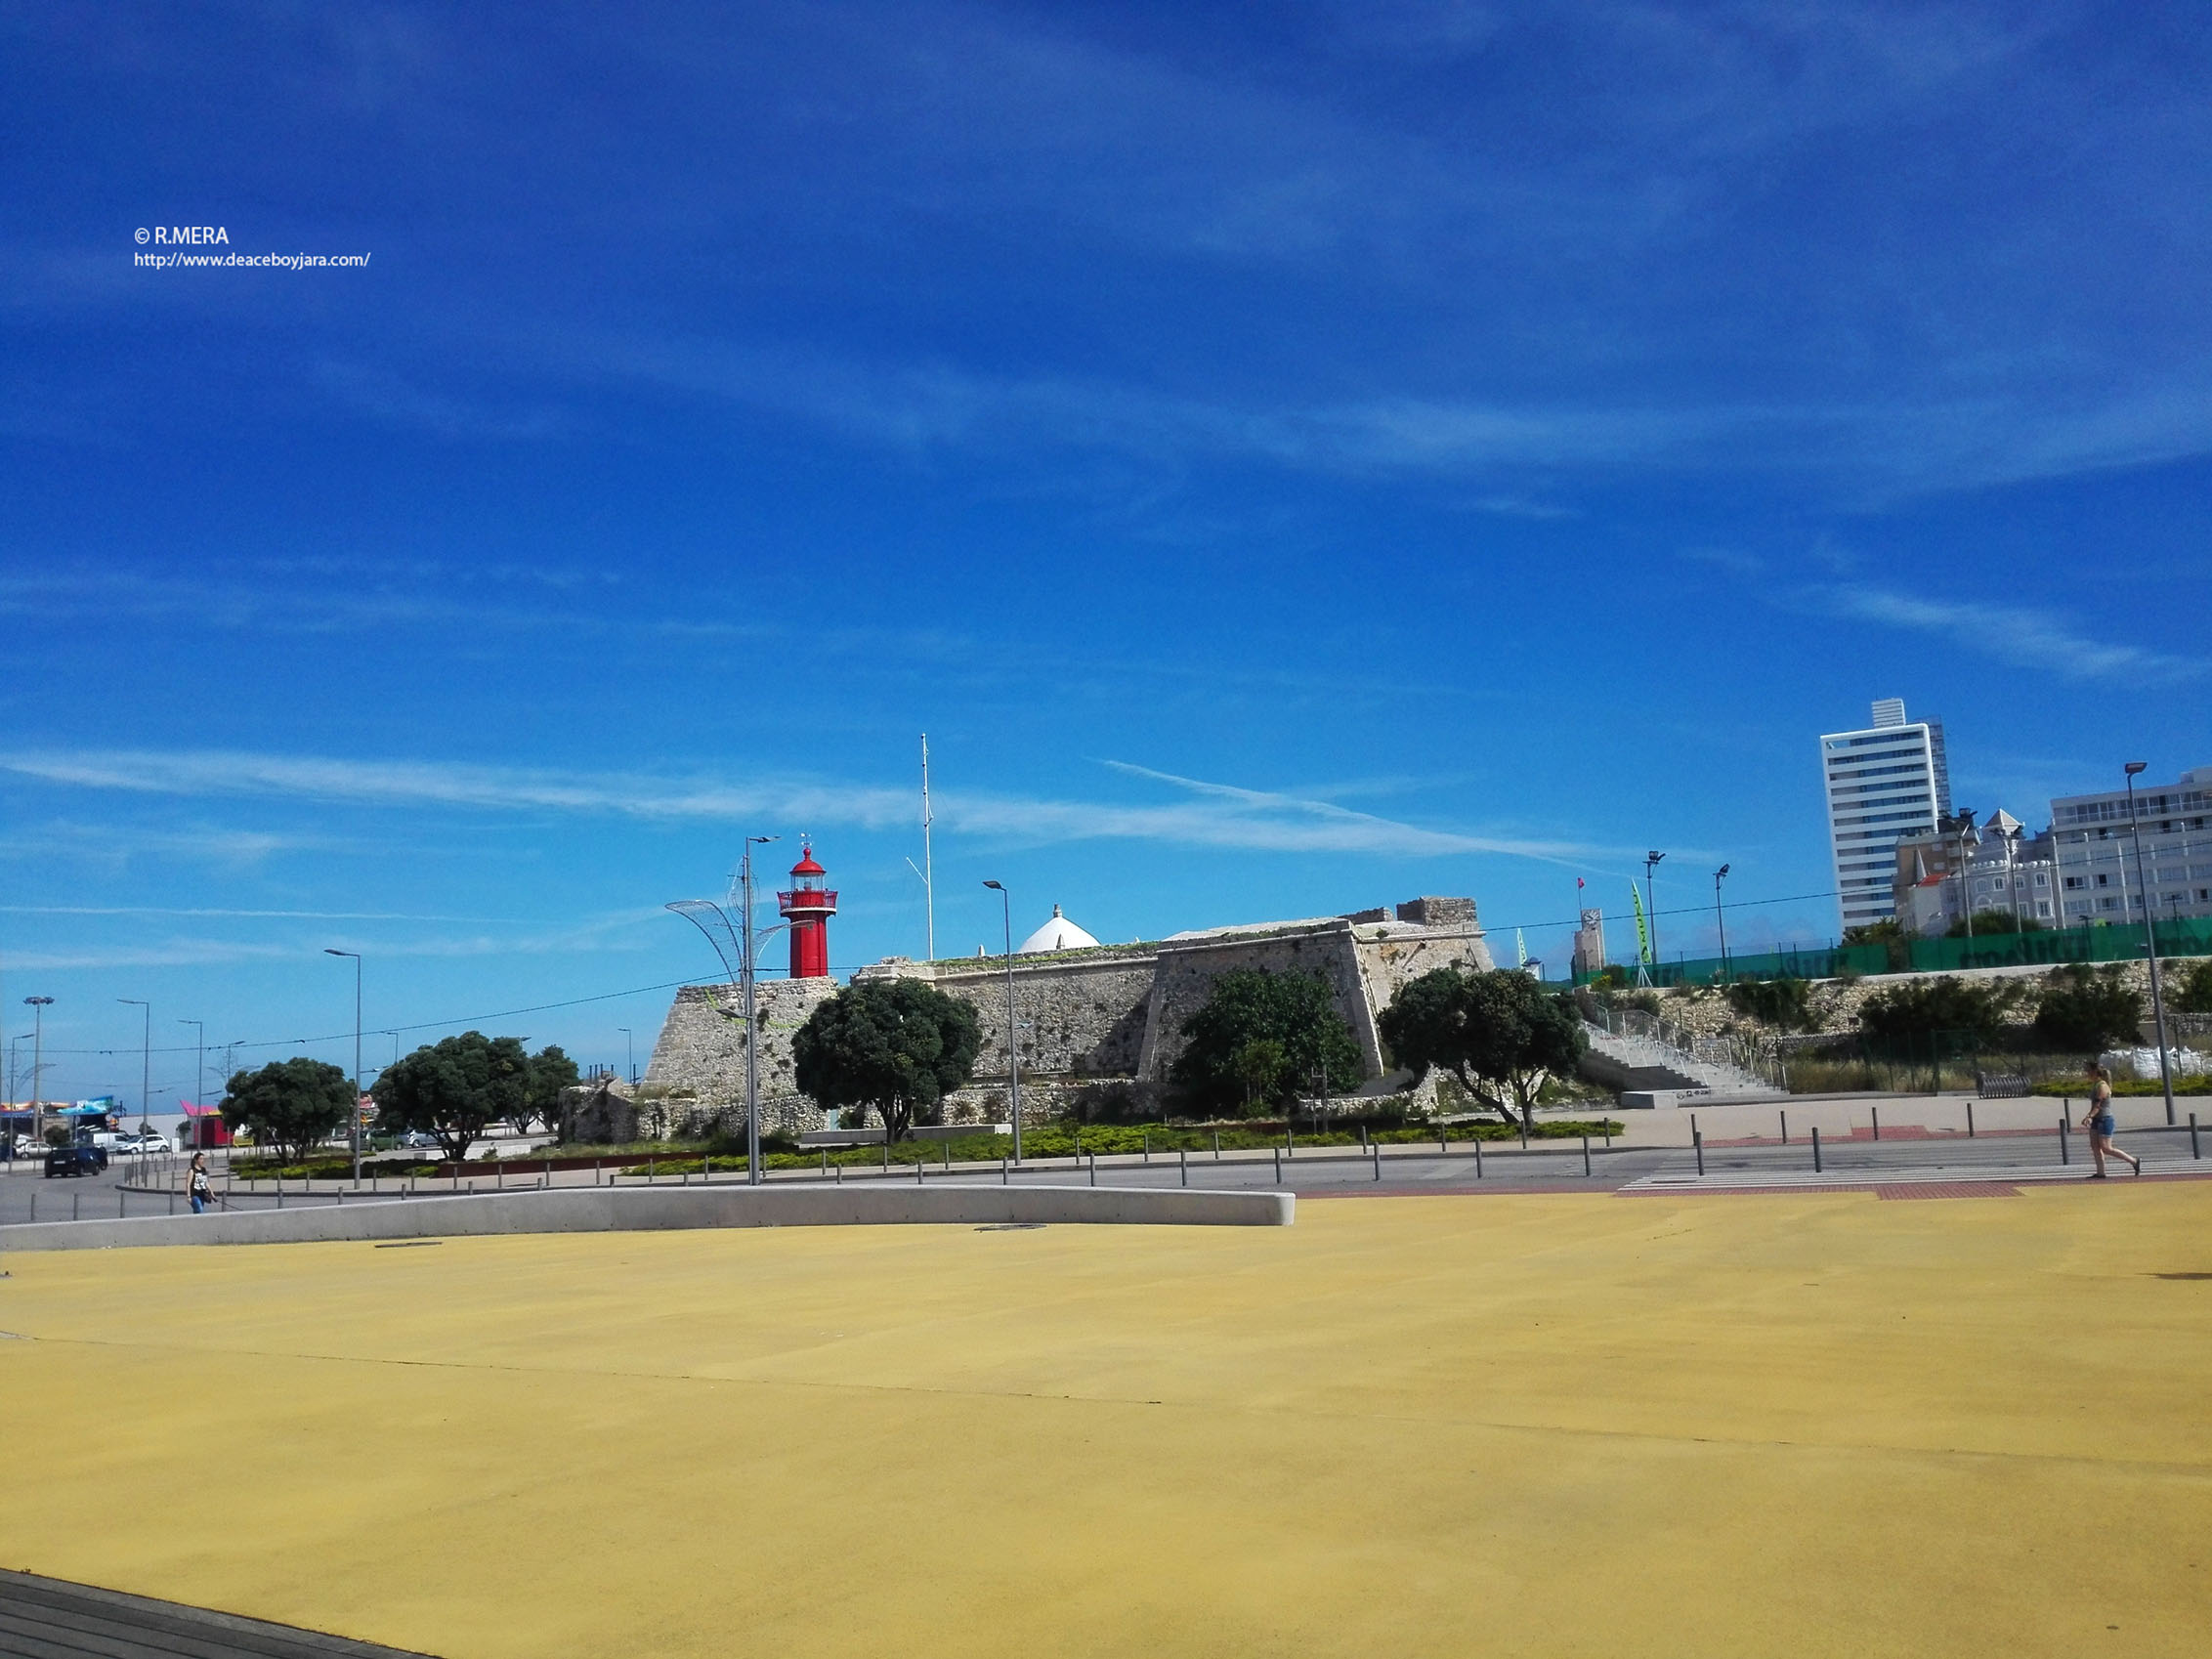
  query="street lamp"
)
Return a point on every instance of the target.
[
  {"x": 2150, "y": 935},
  {"x": 38, "y": 1007},
  {"x": 1721, "y": 915},
  {"x": 353, "y": 1114},
  {"x": 145, "y": 1060},
  {"x": 1960, "y": 826},
  {"x": 632, "y": 1042},
  {"x": 1013, "y": 1031},
  {"x": 747, "y": 941},
  {"x": 1651, "y": 911}
]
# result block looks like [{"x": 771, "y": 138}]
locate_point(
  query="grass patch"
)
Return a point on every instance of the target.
[
  {"x": 1106, "y": 1140},
  {"x": 2078, "y": 1086}
]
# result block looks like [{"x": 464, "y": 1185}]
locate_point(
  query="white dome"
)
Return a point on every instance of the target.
[{"x": 1058, "y": 934}]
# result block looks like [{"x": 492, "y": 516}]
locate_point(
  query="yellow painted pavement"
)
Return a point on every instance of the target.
[{"x": 1796, "y": 1425}]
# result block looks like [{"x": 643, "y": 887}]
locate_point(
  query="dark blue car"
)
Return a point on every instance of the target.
[{"x": 75, "y": 1161}]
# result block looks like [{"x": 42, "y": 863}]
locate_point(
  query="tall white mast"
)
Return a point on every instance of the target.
[{"x": 928, "y": 886}]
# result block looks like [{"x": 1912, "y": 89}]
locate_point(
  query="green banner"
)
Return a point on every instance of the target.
[{"x": 1642, "y": 932}]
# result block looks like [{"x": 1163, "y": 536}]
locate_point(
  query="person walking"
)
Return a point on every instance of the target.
[
  {"x": 201, "y": 1190},
  {"x": 2097, "y": 1121}
]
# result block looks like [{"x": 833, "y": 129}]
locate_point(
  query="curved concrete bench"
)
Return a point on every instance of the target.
[{"x": 601, "y": 1209}]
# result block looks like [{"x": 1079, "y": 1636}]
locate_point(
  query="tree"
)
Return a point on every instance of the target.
[
  {"x": 2082, "y": 1013},
  {"x": 550, "y": 1072},
  {"x": 455, "y": 1090},
  {"x": 1886, "y": 931},
  {"x": 1501, "y": 1032},
  {"x": 1917, "y": 1012},
  {"x": 289, "y": 1104},
  {"x": 1259, "y": 1038},
  {"x": 896, "y": 1045}
]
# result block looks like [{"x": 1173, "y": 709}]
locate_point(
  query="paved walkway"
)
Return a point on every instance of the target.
[{"x": 44, "y": 1617}]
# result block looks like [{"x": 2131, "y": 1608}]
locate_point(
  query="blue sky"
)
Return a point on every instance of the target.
[{"x": 1289, "y": 458}]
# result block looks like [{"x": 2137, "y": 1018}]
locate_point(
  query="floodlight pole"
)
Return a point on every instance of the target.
[
  {"x": 145, "y": 1059},
  {"x": 630, "y": 1042},
  {"x": 38, "y": 1007},
  {"x": 1013, "y": 1029},
  {"x": 1650, "y": 915},
  {"x": 1721, "y": 915},
  {"x": 353, "y": 1116},
  {"x": 2150, "y": 935},
  {"x": 199, "y": 1070}
]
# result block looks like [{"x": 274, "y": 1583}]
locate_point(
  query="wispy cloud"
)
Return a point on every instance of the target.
[
  {"x": 2011, "y": 633},
  {"x": 1217, "y": 815}
]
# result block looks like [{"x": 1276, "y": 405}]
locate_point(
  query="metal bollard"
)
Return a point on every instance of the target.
[
  {"x": 34, "y": 1204},
  {"x": 120, "y": 1196},
  {"x": 917, "y": 1169},
  {"x": 2064, "y": 1154},
  {"x": 1785, "y": 1128},
  {"x": 1876, "y": 1113},
  {"x": 2194, "y": 1151},
  {"x": 76, "y": 1205},
  {"x": 1005, "y": 1171},
  {"x": 886, "y": 1149},
  {"x": 1374, "y": 1150},
  {"x": 1970, "y": 1120},
  {"x": 651, "y": 1170},
  {"x": 948, "y": 1146},
  {"x": 1585, "y": 1155},
  {"x": 1148, "y": 1147},
  {"x": 1697, "y": 1145},
  {"x": 1479, "y": 1158},
  {"x": 826, "y": 1161},
  {"x": 1094, "y": 1168},
  {"x": 1443, "y": 1146},
  {"x": 1217, "y": 1146},
  {"x": 838, "y": 1176},
  {"x": 1182, "y": 1163},
  {"x": 1816, "y": 1149},
  {"x": 1525, "y": 1134},
  {"x": 1278, "y": 1166}
]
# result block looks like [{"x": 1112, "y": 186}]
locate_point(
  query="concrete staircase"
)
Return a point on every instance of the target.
[{"x": 1653, "y": 1073}]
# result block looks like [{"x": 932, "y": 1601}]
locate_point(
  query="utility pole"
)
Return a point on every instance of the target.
[{"x": 1721, "y": 915}]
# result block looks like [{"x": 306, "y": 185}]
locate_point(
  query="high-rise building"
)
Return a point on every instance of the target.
[
  {"x": 1884, "y": 783},
  {"x": 2096, "y": 868}
]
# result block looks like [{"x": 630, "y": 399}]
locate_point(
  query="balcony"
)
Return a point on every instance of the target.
[{"x": 807, "y": 902}]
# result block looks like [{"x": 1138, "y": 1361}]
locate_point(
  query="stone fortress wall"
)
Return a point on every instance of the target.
[{"x": 1112, "y": 1012}]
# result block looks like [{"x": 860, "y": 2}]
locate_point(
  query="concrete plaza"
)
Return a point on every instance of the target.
[{"x": 1670, "y": 1424}]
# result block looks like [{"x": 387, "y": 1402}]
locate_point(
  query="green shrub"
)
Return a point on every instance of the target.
[
  {"x": 2086, "y": 1013},
  {"x": 1970, "y": 1015},
  {"x": 1785, "y": 1003}
]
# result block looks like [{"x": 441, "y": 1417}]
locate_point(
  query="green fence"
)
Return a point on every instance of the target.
[{"x": 2108, "y": 944}]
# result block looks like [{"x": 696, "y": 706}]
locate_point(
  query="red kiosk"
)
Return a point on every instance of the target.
[{"x": 808, "y": 906}]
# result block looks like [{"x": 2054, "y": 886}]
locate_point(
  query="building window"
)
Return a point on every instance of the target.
[
  {"x": 2043, "y": 906},
  {"x": 2041, "y": 879}
]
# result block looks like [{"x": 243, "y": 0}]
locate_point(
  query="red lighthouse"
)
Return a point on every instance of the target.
[{"x": 808, "y": 906}]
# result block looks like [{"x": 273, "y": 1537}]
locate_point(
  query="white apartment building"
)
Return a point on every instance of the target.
[
  {"x": 2096, "y": 847},
  {"x": 1884, "y": 783}
]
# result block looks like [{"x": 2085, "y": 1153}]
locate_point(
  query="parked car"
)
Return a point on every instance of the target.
[
  {"x": 75, "y": 1161},
  {"x": 417, "y": 1140}
]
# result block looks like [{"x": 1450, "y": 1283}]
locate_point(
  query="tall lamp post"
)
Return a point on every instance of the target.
[
  {"x": 2150, "y": 935},
  {"x": 746, "y": 943},
  {"x": 1722, "y": 917},
  {"x": 353, "y": 1111},
  {"x": 630, "y": 1042},
  {"x": 38, "y": 1007},
  {"x": 145, "y": 1060},
  {"x": 200, "y": 1067},
  {"x": 1013, "y": 1030},
  {"x": 1651, "y": 905}
]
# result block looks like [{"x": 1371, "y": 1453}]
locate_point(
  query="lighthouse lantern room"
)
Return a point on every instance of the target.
[{"x": 808, "y": 906}]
